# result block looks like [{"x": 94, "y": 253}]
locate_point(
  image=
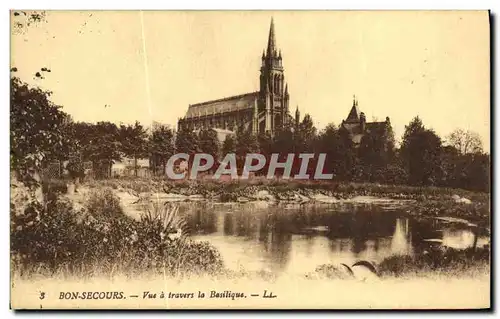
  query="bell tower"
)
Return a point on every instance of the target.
[{"x": 274, "y": 97}]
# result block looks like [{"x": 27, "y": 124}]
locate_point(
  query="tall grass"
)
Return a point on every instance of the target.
[{"x": 100, "y": 240}]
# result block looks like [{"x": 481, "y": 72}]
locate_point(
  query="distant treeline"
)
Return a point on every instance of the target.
[{"x": 41, "y": 132}]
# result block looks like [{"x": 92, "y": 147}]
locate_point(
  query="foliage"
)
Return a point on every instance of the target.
[
  {"x": 187, "y": 141},
  {"x": 306, "y": 136},
  {"x": 434, "y": 259},
  {"x": 103, "y": 203},
  {"x": 229, "y": 145},
  {"x": 22, "y": 20},
  {"x": 340, "y": 153},
  {"x": 161, "y": 146},
  {"x": 246, "y": 143},
  {"x": 421, "y": 151},
  {"x": 466, "y": 142},
  {"x": 376, "y": 152},
  {"x": 98, "y": 240},
  {"x": 133, "y": 140},
  {"x": 209, "y": 143},
  {"x": 36, "y": 129}
]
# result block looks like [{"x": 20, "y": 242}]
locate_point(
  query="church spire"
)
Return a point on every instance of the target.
[
  {"x": 297, "y": 117},
  {"x": 271, "y": 42},
  {"x": 353, "y": 116}
]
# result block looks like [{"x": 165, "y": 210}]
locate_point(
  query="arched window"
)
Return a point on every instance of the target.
[{"x": 276, "y": 86}]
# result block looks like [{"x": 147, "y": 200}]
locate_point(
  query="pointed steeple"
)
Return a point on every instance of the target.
[
  {"x": 353, "y": 116},
  {"x": 271, "y": 42},
  {"x": 297, "y": 116},
  {"x": 286, "y": 89}
]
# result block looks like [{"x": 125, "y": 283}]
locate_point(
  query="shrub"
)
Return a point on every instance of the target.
[
  {"x": 101, "y": 240},
  {"x": 56, "y": 186},
  {"x": 435, "y": 259},
  {"x": 103, "y": 203}
]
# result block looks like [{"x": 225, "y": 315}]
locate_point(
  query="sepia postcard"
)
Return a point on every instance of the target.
[{"x": 250, "y": 160}]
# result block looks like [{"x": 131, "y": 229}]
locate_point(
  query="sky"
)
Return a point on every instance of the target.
[{"x": 150, "y": 66}]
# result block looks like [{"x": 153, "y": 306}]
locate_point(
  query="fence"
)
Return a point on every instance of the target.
[
  {"x": 52, "y": 171},
  {"x": 96, "y": 170}
]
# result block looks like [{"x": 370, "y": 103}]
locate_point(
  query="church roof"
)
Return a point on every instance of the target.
[
  {"x": 229, "y": 104},
  {"x": 353, "y": 114}
]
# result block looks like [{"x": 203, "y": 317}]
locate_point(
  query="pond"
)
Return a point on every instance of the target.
[{"x": 296, "y": 238}]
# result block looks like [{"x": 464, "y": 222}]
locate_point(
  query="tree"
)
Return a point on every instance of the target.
[
  {"x": 306, "y": 136},
  {"x": 229, "y": 145},
  {"x": 468, "y": 171},
  {"x": 465, "y": 141},
  {"x": 246, "y": 143},
  {"x": 22, "y": 20},
  {"x": 37, "y": 131},
  {"x": 133, "y": 139},
  {"x": 104, "y": 147},
  {"x": 376, "y": 152},
  {"x": 284, "y": 141},
  {"x": 187, "y": 141},
  {"x": 421, "y": 151},
  {"x": 266, "y": 142},
  {"x": 161, "y": 146},
  {"x": 340, "y": 152},
  {"x": 209, "y": 143}
]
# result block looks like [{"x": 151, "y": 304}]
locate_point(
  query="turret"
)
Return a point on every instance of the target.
[
  {"x": 362, "y": 121},
  {"x": 353, "y": 116},
  {"x": 297, "y": 117}
]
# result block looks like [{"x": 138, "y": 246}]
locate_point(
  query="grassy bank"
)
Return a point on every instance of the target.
[
  {"x": 231, "y": 190},
  {"x": 427, "y": 201}
]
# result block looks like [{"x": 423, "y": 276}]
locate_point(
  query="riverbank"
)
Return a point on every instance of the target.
[
  {"x": 421, "y": 202},
  {"x": 283, "y": 190}
]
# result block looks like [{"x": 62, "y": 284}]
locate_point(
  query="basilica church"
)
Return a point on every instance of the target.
[{"x": 266, "y": 110}]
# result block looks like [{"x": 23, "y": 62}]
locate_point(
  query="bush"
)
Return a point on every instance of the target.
[
  {"x": 56, "y": 186},
  {"x": 103, "y": 203},
  {"x": 435, "y": 259},
  {"x": 101, "y": 240}
]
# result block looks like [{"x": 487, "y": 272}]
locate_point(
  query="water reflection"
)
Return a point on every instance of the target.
[
  {"x": 401, "y": 242},
  {"x": 297, "y": 238}
]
